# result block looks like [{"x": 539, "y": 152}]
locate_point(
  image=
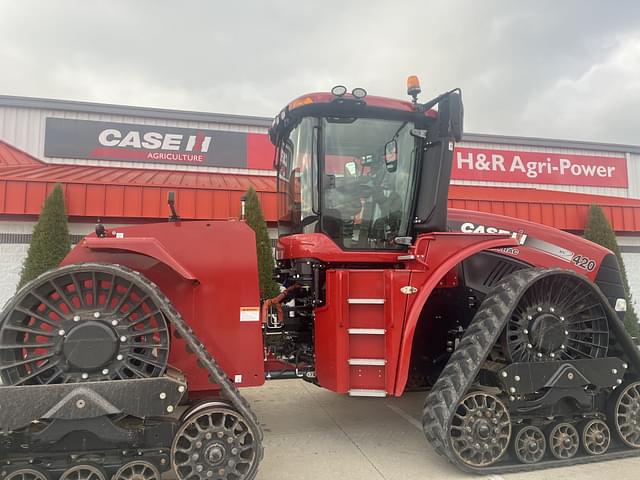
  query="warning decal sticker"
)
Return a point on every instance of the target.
[{"x": 249, "y": 314}]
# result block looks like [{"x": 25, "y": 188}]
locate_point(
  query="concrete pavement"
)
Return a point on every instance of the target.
[{"x": 314, "y": 434}]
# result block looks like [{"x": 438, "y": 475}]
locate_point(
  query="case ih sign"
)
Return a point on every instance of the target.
[
  {"x": 155, "y": 144},
  {"x": 189, "y": 146},
  {"x": 538, "y": 167}
]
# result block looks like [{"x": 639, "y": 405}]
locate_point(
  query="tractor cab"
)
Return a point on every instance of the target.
[{"x": 366, "y": 172}]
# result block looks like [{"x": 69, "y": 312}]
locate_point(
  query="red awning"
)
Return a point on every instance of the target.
[
  {"x": 137, "y": 193},
  {"x": 125, "y": 193},
  {"x": 10, "y": 155}
]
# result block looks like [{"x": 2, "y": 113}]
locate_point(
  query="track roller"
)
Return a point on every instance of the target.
[
  {"x": 215, "y": 443},
  {"x": 627, "y": 415},
  {"x": 137, "y": 470},
  {"x": 564, "y": 441},
  {"x": 596, "y": 437},
  {"x": 84, "y": 471},
  {"x": 30, "y": 473},
  {"x": 480, "y": 429},
  {"x": 530, "y": 444}
]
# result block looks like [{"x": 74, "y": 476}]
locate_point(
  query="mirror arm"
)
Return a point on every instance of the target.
[{"x": 423, "y": 107}]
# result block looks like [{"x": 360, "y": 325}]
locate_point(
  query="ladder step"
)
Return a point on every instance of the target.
[
  {"x": 367, "y": 393},
  {"x": 367, "y": 331},
  {"x": 367, "y": 361},
  {"x": 365, "y": 301}
]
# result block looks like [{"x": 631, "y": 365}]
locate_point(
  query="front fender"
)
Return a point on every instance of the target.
[{"x": 438, "y": 253}]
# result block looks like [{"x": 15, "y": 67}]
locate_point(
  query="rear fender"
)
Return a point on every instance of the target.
[
  {"x": 91, "y": 249},
  {"x": 209, "y": 272},
  {"x": 436, "y": 254}
]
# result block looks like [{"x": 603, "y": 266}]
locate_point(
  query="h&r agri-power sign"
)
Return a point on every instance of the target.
[
  {"x": 494, "y": 165},
  {"x": 155, "y": 144}
]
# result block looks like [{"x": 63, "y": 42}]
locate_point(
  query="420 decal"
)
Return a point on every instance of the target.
[{"x": 584, "y": 262}]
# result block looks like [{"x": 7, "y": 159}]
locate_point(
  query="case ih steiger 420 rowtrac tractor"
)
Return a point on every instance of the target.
[{"x": 516, "y": 330}]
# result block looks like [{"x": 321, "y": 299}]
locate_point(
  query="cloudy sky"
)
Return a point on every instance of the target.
[{"x": 560, "y": 69}]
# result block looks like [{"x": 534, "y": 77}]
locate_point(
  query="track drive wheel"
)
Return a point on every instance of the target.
[
  {"x": 627, "y": 415},
  {"x": 30, "y": 473},
  {"x": 137, "y": 470},
  {"x": 216, "y": 443},
  {"x": 480, "y": 429},
  {"x": 80, "y": 323},
  {"x": 84, "y": 471},
  {"x": 559, "y": 317},
  {"x": 564, "y": 441},
  {"x": 530, "y": 444}
]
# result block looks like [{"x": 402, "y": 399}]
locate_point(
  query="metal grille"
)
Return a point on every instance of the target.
[{"x": 25, "y": 238}]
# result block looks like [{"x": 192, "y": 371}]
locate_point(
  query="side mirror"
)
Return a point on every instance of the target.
[
  {"x": 350, "y": 169},
  {"x": 451, "y": 115},
  {"x": 391, "y": 156}
]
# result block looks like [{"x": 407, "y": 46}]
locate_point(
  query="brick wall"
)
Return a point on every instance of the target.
[
  {"x": 11, "y": 258},
  {"x": 632, "y": 266}
]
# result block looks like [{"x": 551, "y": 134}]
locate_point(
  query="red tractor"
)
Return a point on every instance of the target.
[{"x": 515, "y": 329}]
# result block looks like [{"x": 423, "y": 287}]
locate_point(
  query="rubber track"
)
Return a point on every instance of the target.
[
  {"x": 465, "y": 363},
  {"x": 194, "y": 345}
]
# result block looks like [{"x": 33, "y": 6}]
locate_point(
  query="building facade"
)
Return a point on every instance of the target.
[{"x": 117, "y": 164}]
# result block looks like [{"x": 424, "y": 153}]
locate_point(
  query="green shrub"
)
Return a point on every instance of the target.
[
  {"x": 255, "y": 219},
  {"x": 599, "y": 231},
  {"x": 50, "y": 241}
]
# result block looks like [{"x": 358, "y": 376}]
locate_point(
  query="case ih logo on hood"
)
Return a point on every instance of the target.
[
  {"x": 468, "y": 227},
  {"x": 524, "y": 239},
  {"x": 111, "y": 137}
]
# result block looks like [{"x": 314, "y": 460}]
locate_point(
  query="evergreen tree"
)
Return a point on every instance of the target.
[
  {"x": 255, "y": 219},
  {"x": 599, "y": 231},
  {"x": 50, "y": 241}
]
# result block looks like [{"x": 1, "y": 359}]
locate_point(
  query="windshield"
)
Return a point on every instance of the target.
[{"x": 366, "y": 181}]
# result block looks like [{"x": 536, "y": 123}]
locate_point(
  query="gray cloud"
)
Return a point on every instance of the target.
[{"x": 557, "y": 69}]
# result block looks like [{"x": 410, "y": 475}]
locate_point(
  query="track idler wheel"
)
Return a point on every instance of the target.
[
  {"x": 596, "y": 437},
  {"x": 84, "y": 471},
  {"x": 530, "y": 444},
  {"x": 564, "y": 441},
  {"x": 627, "y": 415},
  {"x": 215, "y": 443},
  {"x": 30, "y": 473},
  {"x": 137, "y": 470},
  {"x": 480, "y": 429}
]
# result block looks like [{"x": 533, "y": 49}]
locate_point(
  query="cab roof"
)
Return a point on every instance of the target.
[{"x": 369, "y": 100}]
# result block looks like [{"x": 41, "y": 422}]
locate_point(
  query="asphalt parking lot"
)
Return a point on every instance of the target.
[{"x": 314, "y": 434}]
